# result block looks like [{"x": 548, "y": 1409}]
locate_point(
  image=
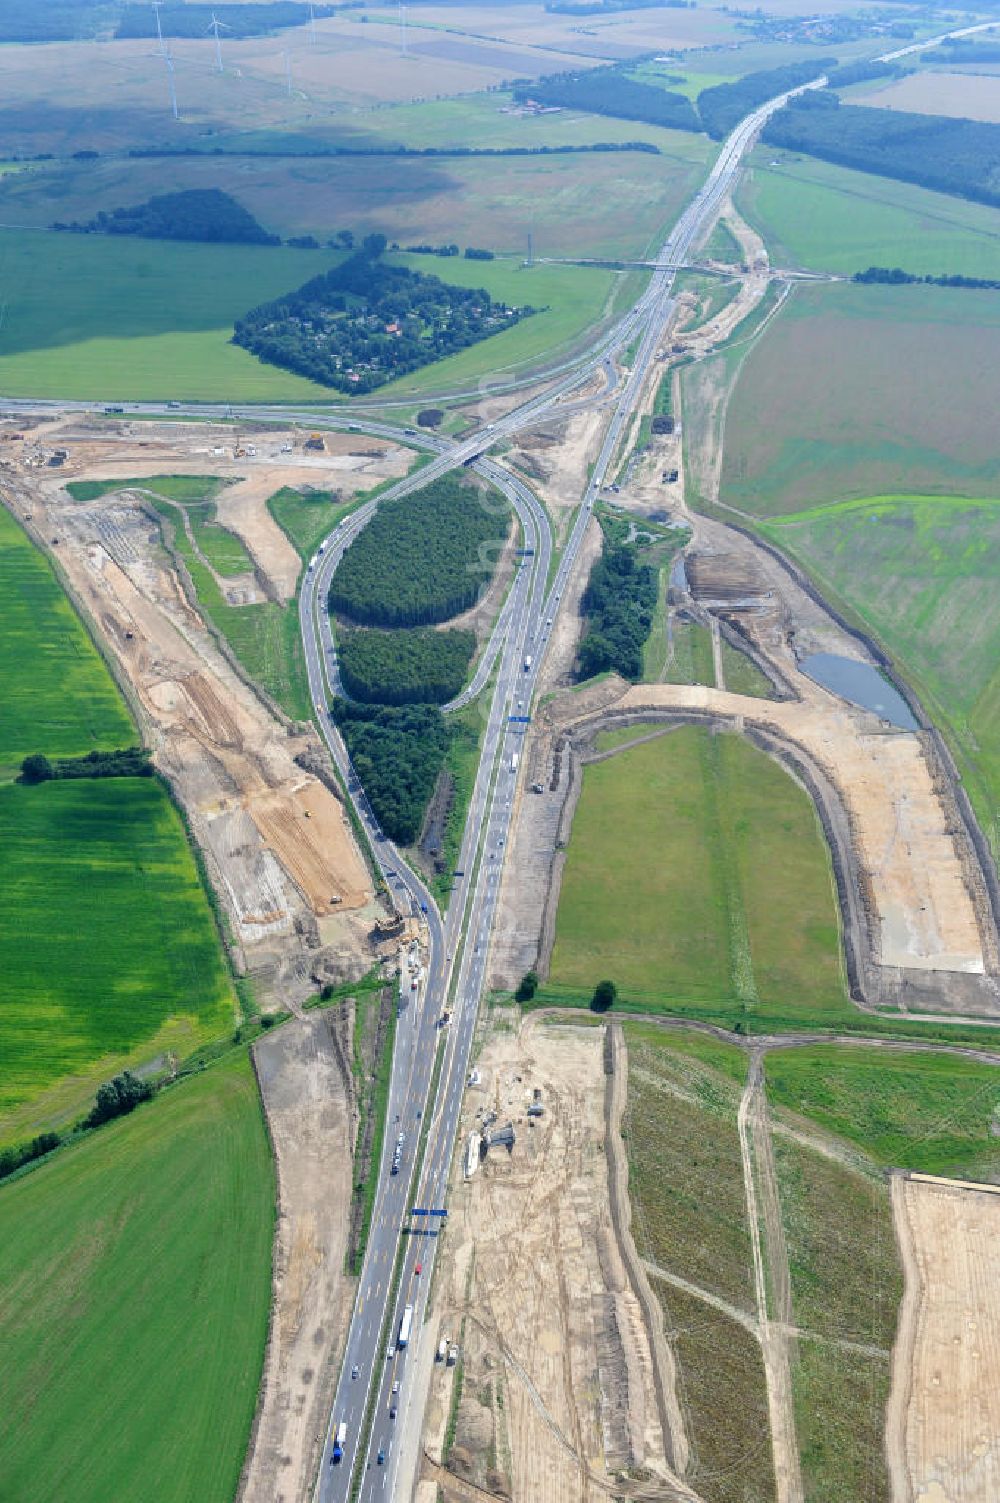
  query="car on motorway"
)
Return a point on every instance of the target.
[
  {"x": 393, "y": 1410},
  {"x": 355, "y": 1371},
  {"x": 380, "y": 1458},
  {"x": 418, "y": 1268},
  {"x": 395, "y": 1388}
]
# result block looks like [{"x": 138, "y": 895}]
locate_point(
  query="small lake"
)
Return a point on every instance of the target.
[{"x": 862, "y": 685}]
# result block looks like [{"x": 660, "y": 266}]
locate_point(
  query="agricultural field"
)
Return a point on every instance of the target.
[
  {"x": 931, "y": 91},
  {"x": 931, "y": 1112},
  {"x": 135, "y": 1285},
  {"x": 689, "y": 654},
  {"x": 919, "y": 572},
  {"x": 845, "y": 1283},
  {"x": 604, "y": 203},
  {"x": 65, "y": 703},
  {"x": 828, "y": 218},
  {"x": 170, "y": 306},
  {"x": 110, "y": 954},
  {"x": 869, "y": 391},
  {"x": 735, "y": 915}
]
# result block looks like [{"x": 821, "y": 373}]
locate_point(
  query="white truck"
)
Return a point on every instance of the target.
[
  {"x": 527, "y": 663},
  {"x": 514, "y": 761},
  {"x": 404, "y": 1327},
  {"x": 338, "y": 1442}
]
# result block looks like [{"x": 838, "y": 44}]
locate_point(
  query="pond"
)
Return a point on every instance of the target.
[{"x": 862, "y": 685}]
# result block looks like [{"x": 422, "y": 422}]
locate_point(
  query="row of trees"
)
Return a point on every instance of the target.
[
  {"x": 397, "y": 754},
  {"x": 610, "y": 91},
  {"x": 365, "y": 322},
  {"x": 725, "y": 105},
  {"x": 129, "y": 762},
  {"x": 619, "y": 603},
  {"x": 951, "y": 156},
  {"x": 202, "y": 214},
  {"x": 116, "y": 1098},
  {"x": 414, "y": 666},
  {"x": 894, "y": 276},
  {"x": 422, "y": 558}
]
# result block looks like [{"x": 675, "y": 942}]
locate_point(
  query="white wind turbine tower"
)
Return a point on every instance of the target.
[
  {"x": 167, "y": 58},
  {"x": 159, "y": 28},
  {"x": 402, "y": 28},
  {"x": 215, "y": 26},
  {"x": 312, "y": 24},
  {"x": 288, "y": 71}
]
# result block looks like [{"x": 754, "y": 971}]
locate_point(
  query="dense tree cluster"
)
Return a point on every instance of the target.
[
  {"x": 958, "y": 52},
  {"x": 49, "y": 20},
  {"x": 619, "y": 602},
  {"x": 397, "y": 754},
  {"x": 25, "y": 1153},
  {"x": 366, "y": 322},
  {"x": 193, "y": 19},
  {"x": 609, "y": 91},
  {"x": 422, "y": 558},
  {"x": 204, "y": 214},
  {"x": 612, "y": 7},
  {"x": 284, "y": 149},
  {"x": 417, "y": 665},
  {"x": 949, "y": 155},
  {"x": 894, "y": 276},
  {"x": 724, "y": 105},
  {"x": 853, "y": 73},
  {"x": 128, "y": 762},
  {"x": 118, "y": 1097}
]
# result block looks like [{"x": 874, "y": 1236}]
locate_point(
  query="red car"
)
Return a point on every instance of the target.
[{"x": 417, "y": 1268}]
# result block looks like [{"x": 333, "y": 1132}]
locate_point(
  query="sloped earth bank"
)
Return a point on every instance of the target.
[
  {"x": 943, "y": 1427},
  {"x": 304, "y": 1075},
  {"x": 561, "y": 1398},
  {"x": 257, "y": 790}
]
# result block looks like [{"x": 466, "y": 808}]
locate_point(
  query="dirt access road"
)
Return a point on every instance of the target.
[
  {"x": 943, "y": 1426},
  {"x": 304, "y": 1075}
]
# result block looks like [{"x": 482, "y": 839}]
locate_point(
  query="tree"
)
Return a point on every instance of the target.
[
  {"x": 605, "y": 994},
  {"x": 118, "y": 1097},
  {"x": 430, "y": 417},
  {"x": 528, "y": 987},
  {"x": 36, "y": 769},
  {"x": 374, "y": 245}
]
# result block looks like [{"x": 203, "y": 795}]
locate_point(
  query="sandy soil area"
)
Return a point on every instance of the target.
[
  {"x": 137, "y": 450},
  {"x": 943, "y": 1429},
  {"x": 279, "y": 848},
  {"x": 304, "y": 1078},
  {"x": 557, "y": 1390}
]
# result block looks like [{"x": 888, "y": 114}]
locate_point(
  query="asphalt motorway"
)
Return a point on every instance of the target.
[{"x": 458, "y": 944}]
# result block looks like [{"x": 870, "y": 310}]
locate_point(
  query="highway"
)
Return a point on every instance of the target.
[{"x": 458, "y": 944}]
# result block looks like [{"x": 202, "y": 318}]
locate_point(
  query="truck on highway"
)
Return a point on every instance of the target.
[
  {"x": 404, "y": 1327},
  {"x": 513, "y": 762},
  {"x": 338, "y": 1443},
  {"x": 527, "y": 663}
]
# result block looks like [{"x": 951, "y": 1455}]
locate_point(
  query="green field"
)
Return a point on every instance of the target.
[
  {"x": 741, "y": 674},
  {"x": 57, "y": 695},
  {"x": 868, "y": 391},
  {"x": 920, "y": 573},
  {"x": 828, "y": 218},
  {"x": 698, "y": 881},
  {"x": 689, "y": 654},
  {"x": 113, "y": 317},
  {"x": 109, "y": 950},
  {"x": 930, "y": 1112},
  {"x": 305, "y": 517},
  {"x": 171, "y": 308},
  {"x": 134, "y": 1296}
]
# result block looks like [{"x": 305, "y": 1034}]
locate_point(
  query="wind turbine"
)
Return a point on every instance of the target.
[
  {"x": 215, "y": 25},
  {"x": 288, "y": 71},
  {"x": 159, "y": 29},
  {"x": 167, "y": 58},
  {"x": 312, "y": 24},
  {"x": 402, "y": 28}
]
